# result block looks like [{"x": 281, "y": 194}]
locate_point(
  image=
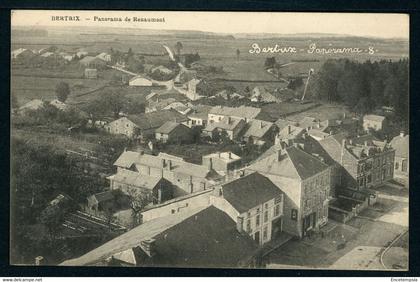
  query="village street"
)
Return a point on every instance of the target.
[{"x": 367, "y": 239}]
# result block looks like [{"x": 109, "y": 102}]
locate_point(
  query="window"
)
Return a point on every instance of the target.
[
  {"x": 257, "y": 220},
  {"x": 248, "y": 225},
  {"x": 404, "y": 165},
  {"x": 369, "y": 178},
  {"x": 276, "y": 210},
  {"x": 173, "y": 211},
  {"x": 266, "y": 206},
  {"x": 265, "y": 233},
  {"x": 397, "y": 165},
  {"x": 265, "y": 216},
  {"x": 258, "y": 210},
  {"x": 249, "y": 214}
]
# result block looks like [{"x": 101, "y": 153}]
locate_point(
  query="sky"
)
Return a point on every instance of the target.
[{"x": 356, "y": 24}]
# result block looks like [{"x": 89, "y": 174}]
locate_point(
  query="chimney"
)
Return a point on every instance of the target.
[
  {"x": 148, "y": 247},
  {"x": 228, "y": 120},
  {"x": 318, "y": 124},
  {"x": 230, "y": 155},
  {"x": 261, "y": 124},
  {"x": 239, "y": 224},
  {"x": 39, "y": 260},
  {"x": 289, "y": 129},
  {"x": 402, "y": 133},
  {"x": 210, "y": 163},
  {"x": 343, "y": 143},
  {"x": 169, "y": 164},
  {"x": 279, "y": 153},
  {"x": 344, "y": 115}
]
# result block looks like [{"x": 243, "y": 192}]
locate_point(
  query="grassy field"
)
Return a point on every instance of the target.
[{"x": 323, "y": 112}]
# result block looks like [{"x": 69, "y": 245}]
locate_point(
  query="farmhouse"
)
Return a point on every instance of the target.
[
  {"x": 144, "y": 125},
  {"x": 222, "y": 162},
  {"x": 100, "y": 202},
  {"x": 173, "y": 132},
  {"x": 188, "y": 177},
  {"x": 22, "y": 53},
  {"x": 258, "y": 132},
  {"x": 305, "y": 182},
  {"x": 217, "y": 113},
  {"x": 140, "y": 81},
  {"x": 154, "y": 188},
  {"x": 92, "y": 62},
  {"x": 260, "y": 94},
  {"x": 59, "y": 105},
  {"x": 91, "y": 73},
  {"x": 231, "y": 126},
  {"x": 198, "y": 115},
  {"x": 32, "y": 105},
  {"x": 104, "y": 57},
  {"x": 374, "y": 122}
]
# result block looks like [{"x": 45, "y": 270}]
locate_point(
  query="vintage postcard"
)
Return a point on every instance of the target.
[{"x": 210, "y": 139}]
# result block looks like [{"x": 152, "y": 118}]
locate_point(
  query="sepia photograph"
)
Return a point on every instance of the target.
[{"x": 222, "y": 140}]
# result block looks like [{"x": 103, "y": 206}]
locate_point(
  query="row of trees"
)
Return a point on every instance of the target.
[{"x": 363, "y": 87}]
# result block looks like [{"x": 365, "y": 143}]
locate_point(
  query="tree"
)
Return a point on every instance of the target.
[
  {"x": 138, "y": 201},
  {"x": 179, "y": 47},
  {"x": 62, "y": 91},
  {"x": 270, "y": 62},
  {"x": 111, "y": 101}
]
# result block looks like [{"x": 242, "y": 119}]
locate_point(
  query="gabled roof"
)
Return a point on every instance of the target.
[
  {"x": 282, "y": 123},
  {"x": 33, "y": 105},
  {"x": 89, "y": 59},
  {"x": 374, "y": 118},
  {"x": 249, "y": 191},
  {"x": 305, "y": 164},
  {"x": 131, "y": 238},
  {"x": 258, "y": 128},
  {"x": 156, "y": 119},
  {"x": 135, "y": 179},
  {"x": 401, "y": 144},
  {"x": 103, "y": 196},
  {"x": 242, "y": 111},
  {"x": 263, "y": 95},
  {"x": 291, "y": 162},
  {"x": 227, "y": 123},
  {"x": 127, "y": 158},
  {"x": 168, "y": 127},
  {"x": 295, "y": 132}
]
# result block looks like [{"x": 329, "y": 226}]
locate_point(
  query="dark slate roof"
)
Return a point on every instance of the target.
[
  {"x": 305, "y": 164},
  {"x": 156, "y": 119},
  {"x": 168, "y": 127},
  {"x": 250, "y": 191},
  {"x": 206, "y": 239}
]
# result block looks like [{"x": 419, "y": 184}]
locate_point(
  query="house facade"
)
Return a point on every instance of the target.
[
  {"x": 231, "y": 126},
  {"x": 174, "y": 132},
  {"x": 154, "y": 189},
  {"x": 401, "y": 144},
  {"x": 364, "y": 161},
  {"x": 186, "y": 177},
  {"x": 374, "y": 122},
  {"x": 256, "y": 205},
  {"x": 122, "y": 126},
  {"x": 305, "y": 182}
]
